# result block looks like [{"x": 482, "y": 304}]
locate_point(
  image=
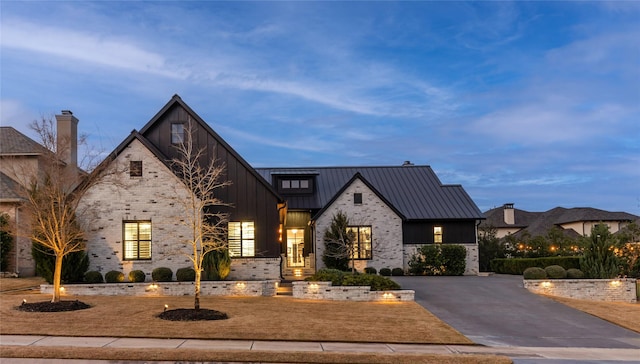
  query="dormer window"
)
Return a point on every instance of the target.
[{"x": 295, "y": 185}]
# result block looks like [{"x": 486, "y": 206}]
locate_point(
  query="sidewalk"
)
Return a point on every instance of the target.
[{"x": 595, "y": 354}]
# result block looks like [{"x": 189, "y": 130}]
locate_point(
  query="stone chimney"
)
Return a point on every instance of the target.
[
  {"x": 509, "y": 214},
  {"x": 67, "y": 138}
]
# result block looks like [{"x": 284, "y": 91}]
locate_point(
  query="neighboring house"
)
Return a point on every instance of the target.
[
  {"x": 574, "y": 222},
  {"x": 21, "y": 160},
  {"x": 392, "y": 211}
]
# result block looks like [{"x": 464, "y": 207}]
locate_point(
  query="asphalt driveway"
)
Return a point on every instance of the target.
[{"x": 498, "y": 311}]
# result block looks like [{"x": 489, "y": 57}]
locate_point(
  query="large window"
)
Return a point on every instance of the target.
[
  {"x": 177, "y": 133},
  {"x": 242, "y": 240},
  {"x": 361, "y": 241},
  {"x": 137, "y": 240}
]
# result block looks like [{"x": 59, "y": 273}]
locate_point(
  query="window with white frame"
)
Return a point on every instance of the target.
[{"x": 241, "y": 238}]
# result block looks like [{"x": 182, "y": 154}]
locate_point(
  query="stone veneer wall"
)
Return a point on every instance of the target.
[
  {"x": 325, "y": 291},
  {"x": 613, "y": 290},
  {"x": 386, "y": 227},
  {"x": 472, "y": 267},
  {"x": 208, "y": 288},
  {"x": 255, "y": 268}
]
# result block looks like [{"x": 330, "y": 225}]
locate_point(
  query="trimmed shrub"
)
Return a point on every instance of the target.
[
  {"x": 370, "y": 270},
  {"x": 137, "y": 276},
  {"x": 93, "y": 277},
  {"x": 186, "y": 275},
  {"x": 573, "y": 273},
  {"x": 385, "y": 272},
  {"x": 74, "y": 265},
  {"x": 454, "y": 258},
  {"x": 376, "y": 282},
  {"x": 217, "y": 265},
  {"x": 335, "y": 276},
  {"x": 397, "y": 272},
  {"x": 162, "y": 274},
  {"x": 534, "y": 273},
  {"x": 555, "y": 272},
  {"x": 517, "y": 266},
  {"x": 113, "y": 276}
]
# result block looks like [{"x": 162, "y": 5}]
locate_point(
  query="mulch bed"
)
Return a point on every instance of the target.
[
  {"x": 47, "y": 306},
  {"x": 191, "y": 314}
]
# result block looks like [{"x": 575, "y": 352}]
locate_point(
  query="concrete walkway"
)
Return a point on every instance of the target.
[{"x": 522, "y": 354}]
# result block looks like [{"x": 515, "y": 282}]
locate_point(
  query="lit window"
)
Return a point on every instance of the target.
[
  {"x": 437, "y": 234},
  {"x": 135, "y": 168},
  {"x": 177, "y": 133},
  {"x": 137, "y": 240},
  {"x": 357, "y": 199},
  {"x": 361, "y": 236},
  {"x": 242, "y": 241}
]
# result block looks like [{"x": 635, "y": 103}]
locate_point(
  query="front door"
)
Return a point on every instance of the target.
[{"x": 295, "y": 247}]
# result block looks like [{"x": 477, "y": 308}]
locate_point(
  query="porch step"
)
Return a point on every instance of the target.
[{"x": 285, "y": 289}]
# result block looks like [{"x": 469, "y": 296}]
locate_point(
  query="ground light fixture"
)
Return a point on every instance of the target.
[{"x": 166, "y": 307}]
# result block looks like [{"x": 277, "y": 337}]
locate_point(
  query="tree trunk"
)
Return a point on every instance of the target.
[
  {"x": 197, "y": 284},
  {"x": 57, "y": 274}
]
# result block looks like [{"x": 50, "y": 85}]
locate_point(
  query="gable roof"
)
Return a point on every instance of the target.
[
  {"x": 414, "y": 191},
  {"x": 355, "y": 177},
  {"x": 13, "y": 142},
  {"x": 9, "y": 189}
]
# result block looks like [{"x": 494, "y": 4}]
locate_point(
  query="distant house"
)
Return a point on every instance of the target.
[
  {"x": 21, "y": 162},
  {"x": 574, "y": 222}
]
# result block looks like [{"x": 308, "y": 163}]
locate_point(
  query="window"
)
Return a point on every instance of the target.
[
  {"x": 361, "y": 241},
  {"x": 177, "y": 133},
  {"x": 137, "y": 240},
  {"x": 357, "y": 199},
  {"x": 135, "y": 169},
  {"x": 437, "y": 234},
  {"x": 242, "y": 241},
  {"x": 295, "y": 185}
]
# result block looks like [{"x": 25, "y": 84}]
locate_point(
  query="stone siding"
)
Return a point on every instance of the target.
[
  {"x": 386, "y": 227},
  {"x": 472, "y": 266},
  {"x": 208, "y": 288},
  {"x": 613, "y": 290},
  {"x": 325, "y": 291},
  {"x": 255, "y": 268}
]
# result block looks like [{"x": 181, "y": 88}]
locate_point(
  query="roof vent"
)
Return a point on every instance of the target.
[{"x": 407, "y": 163}]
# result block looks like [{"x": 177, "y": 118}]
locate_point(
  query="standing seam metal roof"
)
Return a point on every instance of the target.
[{"x": 415, "y": 191}]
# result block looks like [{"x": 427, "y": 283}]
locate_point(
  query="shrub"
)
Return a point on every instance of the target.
[
  {"x": 370, "y": 270},
  {"x": 6, "y": 242},
  {"x": 555, "y": 272},
  {"x": 162, "y": 274},
  {"x": 517, "y": 266},
  {"x": 336, "y": 239},
  {"x": 376, "y": 282},
  {"x": 534, "y": 273},
  {"x": 385, "y": 272},
  {"x": 335, "y": 276},
  {"x": 74, "y": 265},
  {"x": 416, "y": 265},
  {"x": 217, "y": 265},
  {"x": 186, "y": 275},
  {"x": 573, "y": 273},
  {"x": 93, "y": 277},
  {"x": 397, "y": 272},
  {"x": 113, "y": 276},
  {"x": 437, "y": 260},
  {"x": 599, "y": 259},
  {"x": 455, "y": 259},
  {"x": 137, "y": 276}
]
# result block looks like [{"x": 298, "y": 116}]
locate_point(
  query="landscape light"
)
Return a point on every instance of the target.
[
  {"x": 546, "y": 284},
  {"x": 165, "y": 308}
]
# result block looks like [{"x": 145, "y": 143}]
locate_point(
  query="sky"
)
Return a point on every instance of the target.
[{"x": 531, "y": 103}]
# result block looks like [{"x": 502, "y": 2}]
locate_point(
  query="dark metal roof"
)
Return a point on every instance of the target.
[
  {"x": 13, "y": 142},
  {"x": 414, "y": 191}
]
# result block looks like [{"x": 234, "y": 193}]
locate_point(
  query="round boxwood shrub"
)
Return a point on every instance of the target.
[
  {"x": 137, "y": 276},
  {"x": 93, "y": 277},
  {"x": 397, "y": 272},
  {"x": 162, "y": 274},
  {"x": 555, "y": 272},
  {"x": 573, "y": 273},
  {"x": 534, "y": 273},
  {"x": 113, "y": 276},
  {"x": 186, "y": 275},
  {"x": 385, "y": 272},
  {"x": 370, "y": 270}
]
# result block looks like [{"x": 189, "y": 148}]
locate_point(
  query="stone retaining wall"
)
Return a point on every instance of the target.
[
  {"x": 614, "y": 290},
  {"x": 325, "y": 291},
  {"x": 208, "y": 288}
]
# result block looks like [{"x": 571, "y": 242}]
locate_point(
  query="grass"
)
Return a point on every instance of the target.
[
  {"x": 623, "y": 314},
  {"x": 12, "y": 284}
]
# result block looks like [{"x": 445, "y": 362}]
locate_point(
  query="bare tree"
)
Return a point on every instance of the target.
[
  {"x": 52, "y": 192},
  {"x": 207, "y": 225}
]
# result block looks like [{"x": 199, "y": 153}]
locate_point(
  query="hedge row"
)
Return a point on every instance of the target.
[
  {"x": 517, "y": 266},
  {"x": 340, "y": 278}
]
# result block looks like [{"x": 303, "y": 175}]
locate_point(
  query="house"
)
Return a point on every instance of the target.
[
  {"x": 22, "y": 160},
  {"x": 392, "y": 211},
  {"x": 574, "y": 222}
]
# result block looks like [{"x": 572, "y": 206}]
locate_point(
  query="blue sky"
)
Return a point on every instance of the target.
[{"x": 535, "y": 103}]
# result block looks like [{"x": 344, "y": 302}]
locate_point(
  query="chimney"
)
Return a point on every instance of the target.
[
  {"x": 509, "y": 214},
  {"x": 67, "y": 138}
]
